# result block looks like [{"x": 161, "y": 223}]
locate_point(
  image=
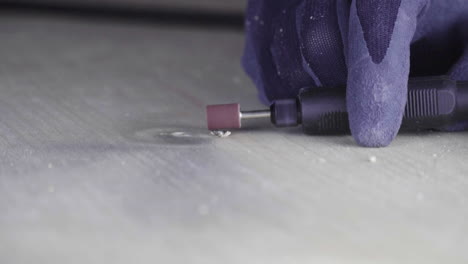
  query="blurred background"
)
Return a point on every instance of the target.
[
  {"x": 212, "y": 5},
  {"x": 207, "y": 13}
]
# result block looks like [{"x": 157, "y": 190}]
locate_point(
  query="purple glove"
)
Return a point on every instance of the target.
[{"x": 365, "y": 45}]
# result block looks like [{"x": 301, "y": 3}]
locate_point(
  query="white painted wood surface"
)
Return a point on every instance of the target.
[{"x": 92, "y": 172}]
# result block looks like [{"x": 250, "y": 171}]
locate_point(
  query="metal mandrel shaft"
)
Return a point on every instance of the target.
[{"x": 255, "y": 114}]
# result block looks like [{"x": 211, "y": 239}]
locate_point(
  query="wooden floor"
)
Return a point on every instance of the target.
[{"x": 105, "y": 159}]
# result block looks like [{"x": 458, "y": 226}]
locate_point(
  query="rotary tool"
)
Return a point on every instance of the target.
[{"x": 434, "y": 103}]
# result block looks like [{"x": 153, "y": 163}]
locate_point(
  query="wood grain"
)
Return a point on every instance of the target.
[{"x": 92, "y": 172}]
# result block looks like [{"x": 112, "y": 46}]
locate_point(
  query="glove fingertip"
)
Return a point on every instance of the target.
[
  {"x": 379, "y": 60},
  {"x": 374, "y": 119}
]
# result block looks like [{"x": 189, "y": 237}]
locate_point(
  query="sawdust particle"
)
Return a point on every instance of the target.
[{"x": 221, "y": 133}]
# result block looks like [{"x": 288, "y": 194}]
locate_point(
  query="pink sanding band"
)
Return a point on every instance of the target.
[{"x": 225, "y": 116}]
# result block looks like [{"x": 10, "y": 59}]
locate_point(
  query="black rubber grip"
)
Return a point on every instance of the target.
[{"x": 433, "y": 104}]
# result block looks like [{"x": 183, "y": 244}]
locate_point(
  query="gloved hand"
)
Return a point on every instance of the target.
[{"x": 365, "y": 45}]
